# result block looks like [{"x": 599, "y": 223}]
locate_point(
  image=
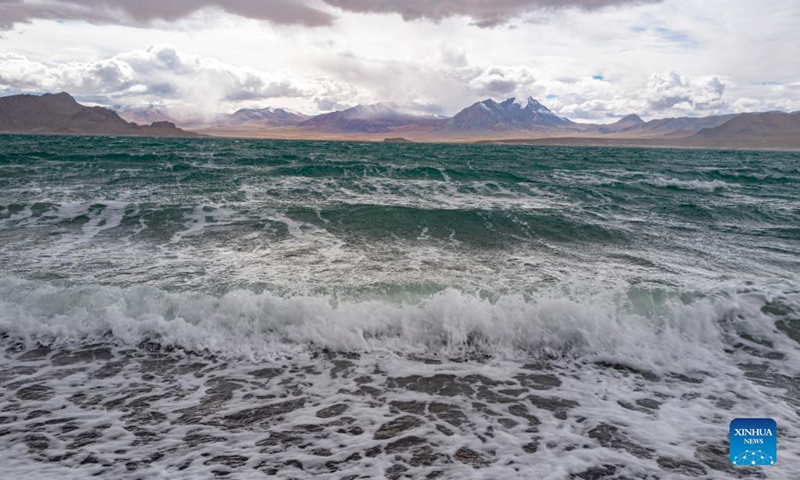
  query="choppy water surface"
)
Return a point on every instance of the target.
[{"x": 198, "y": 308}]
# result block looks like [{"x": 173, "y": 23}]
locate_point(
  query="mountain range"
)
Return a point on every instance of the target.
[
  {"x": 487, "y": 119},
  {"x": 508, "y": 121}
]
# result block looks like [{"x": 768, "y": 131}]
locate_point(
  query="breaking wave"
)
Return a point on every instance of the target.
[{"x": 656, "y": 327}]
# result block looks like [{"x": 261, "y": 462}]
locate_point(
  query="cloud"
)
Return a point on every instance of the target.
[
  {"x": 443, "y": 83},
  {"x": 496, "y": 81},
  {"x": 673, "y": 90},
  {"x": 163, "y": 74},
  {"x": 659, "y": 95},
  {"x": 484, "y": 13},
  {"x": 143, "y": 12}
]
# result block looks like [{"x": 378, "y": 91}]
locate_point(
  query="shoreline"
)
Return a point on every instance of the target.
[{"x": 578, "y": 142}]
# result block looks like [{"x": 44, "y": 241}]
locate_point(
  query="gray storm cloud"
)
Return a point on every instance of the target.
[
  {"x": 142, "y": 12},
  {"x": 484, "y": 13}
]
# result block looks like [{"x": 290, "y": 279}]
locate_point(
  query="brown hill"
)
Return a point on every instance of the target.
[
  {"x": 767, "y": 124},
  {"x": 754, "y": 130},
  {"x": 61, "y": 114}
]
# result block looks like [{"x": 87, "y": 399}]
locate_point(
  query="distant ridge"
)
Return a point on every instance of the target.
[
  {"x": 376, "y": 118},
  {"x": 762, "y": 131},
  {"x": 675, "y": 127},
  {"x": 263, "y": 118},
  {"x": 145, "y": 115},
  {"x": 60, "y": 113},
  {"x": 627, "y": 122},
  {"x": 767, "y": 124}
]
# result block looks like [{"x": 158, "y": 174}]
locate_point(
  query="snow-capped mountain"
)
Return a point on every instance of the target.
[{"x": 506, "y": 115}]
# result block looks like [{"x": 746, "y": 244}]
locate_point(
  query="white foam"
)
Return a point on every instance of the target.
[
  {"x": 424, "y": 194},
  {"x": 701, "y": 185},
  {"x": 607, "y": 324}
]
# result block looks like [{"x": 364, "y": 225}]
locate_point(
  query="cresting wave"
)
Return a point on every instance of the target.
[
  {"x": 660, "y": 329},
  {"x": 701, "y": 185}
]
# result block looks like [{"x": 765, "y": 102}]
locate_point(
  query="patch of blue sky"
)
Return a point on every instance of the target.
[{"x": 675, "y": 36}]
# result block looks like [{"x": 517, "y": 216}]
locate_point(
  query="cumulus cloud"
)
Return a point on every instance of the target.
[
  {"x": 659, "y": 95},
  {"x": 768, "y": 96},
  {"x": 142, "y": 12},
  {"x": 163, "y": 74},
  {"x": 484, "y": 13},
  {"x": 495, "y": 81},
  {"x": 672, "y": 90}
]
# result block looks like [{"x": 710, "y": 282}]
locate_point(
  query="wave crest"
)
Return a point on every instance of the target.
[{"x": 647, "y": 326}]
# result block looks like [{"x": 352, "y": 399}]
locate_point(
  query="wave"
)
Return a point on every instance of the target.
[
  {"x": 477, "y": 224},
  {"x": 748, "y": 176},
  {"x": 640, "y": 326},
  {"x": 700, "y": 185}
]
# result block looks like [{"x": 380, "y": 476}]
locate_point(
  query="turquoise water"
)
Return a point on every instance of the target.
[
  {"x": 604, "y": 268},
  {"x": 289, "y": 217}
]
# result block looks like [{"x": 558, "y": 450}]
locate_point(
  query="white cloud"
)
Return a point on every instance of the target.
[
  {"x": 499, "y": 81},
  {"x": 168, "y": 76},
  {"x": 482, "y": 13},
  {"x": 670, "y": 91},
  {"x": 163, "y": 74}
]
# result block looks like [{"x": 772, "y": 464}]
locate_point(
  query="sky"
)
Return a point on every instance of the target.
[{"x": 589, "y": 60}]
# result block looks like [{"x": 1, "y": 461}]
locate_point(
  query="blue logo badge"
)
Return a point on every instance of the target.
[{"x": 754, "y": 442}]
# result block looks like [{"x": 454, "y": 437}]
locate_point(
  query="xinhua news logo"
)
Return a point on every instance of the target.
[{"x": 753, "y": 442}]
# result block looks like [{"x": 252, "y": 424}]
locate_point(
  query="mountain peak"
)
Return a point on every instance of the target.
[
  {"x": 536, "y": 106},
  {"x": 628, "y": 121},
  {"x": 506, "y": 115},
  {"x": 61, "y": 98},
  {"x": 58, "y": 96},
  {"x": 631, "y": 119}
]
